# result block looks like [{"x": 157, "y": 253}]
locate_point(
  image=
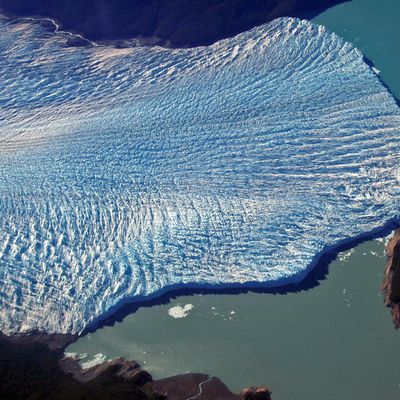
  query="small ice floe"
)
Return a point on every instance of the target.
[
  {"x": 388, "y": 237},
  {"x": 347, "y": 301},
  {"x": 97, "y": 359},
  {"x": 343, "y": 256},
  {"x": 385, "y": 239},
  {"x": 376, "y": 70},
  {"x": 71, "y": 355},
  {"x": 214, "y": 311},
  {"x": 346, "y": 298},
  {"x": 180, "y": 312}
]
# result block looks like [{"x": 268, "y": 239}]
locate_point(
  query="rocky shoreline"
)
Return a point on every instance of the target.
[
  {"x": 34, "y": 366},
  {"x": 391, "y": 281},
  {"x": 172, "y": 23}
]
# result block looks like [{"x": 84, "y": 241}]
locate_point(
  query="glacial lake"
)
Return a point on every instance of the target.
[{"x": 334, "y": 341}]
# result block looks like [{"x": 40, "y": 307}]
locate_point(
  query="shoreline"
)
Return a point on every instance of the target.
[
  {"x": 182, "y": 387},
  {"x": 266, "y": 337},
  {"x": 27, "y": 353},
  {"x": 391, "y": 282},
  {"x": 372, "y": 65},
  {"x": 173, "y": 24},
  {"x": 311, "y": 277},
  {"x": 308, "y": 278}
]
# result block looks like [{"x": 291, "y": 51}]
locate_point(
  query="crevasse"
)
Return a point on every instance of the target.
[{"x": 125, "y": 172}]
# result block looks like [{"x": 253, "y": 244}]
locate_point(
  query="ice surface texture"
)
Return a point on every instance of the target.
[{"x": 125, "y": 172}]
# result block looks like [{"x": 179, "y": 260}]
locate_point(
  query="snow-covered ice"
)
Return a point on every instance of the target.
[
  {"x": 179, "y": 311},
  {"x": 125, "y": 172}
]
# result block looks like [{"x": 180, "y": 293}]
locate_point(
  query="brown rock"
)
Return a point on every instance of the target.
[
  {"x": 54, "y": 341},
  {"x": 193, "y": 386},
  {"x": 391, "y": 281},
  {"x": 126, "y": 369},
  {"x": 253, "y": 393},
  {"x": 27, "y": 353}
]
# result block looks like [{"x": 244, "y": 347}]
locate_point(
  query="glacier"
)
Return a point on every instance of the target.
[{"x": 125, "y": 172}]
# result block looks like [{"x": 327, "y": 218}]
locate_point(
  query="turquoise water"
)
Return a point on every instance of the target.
[
  {"x": 374, "y": 27},
  {"x": 335, "y": 341}
]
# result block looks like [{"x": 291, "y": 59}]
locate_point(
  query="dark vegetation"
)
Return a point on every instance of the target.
[
  {"x": 30, "y": 371},
  {"x": 175, "y": 23}
]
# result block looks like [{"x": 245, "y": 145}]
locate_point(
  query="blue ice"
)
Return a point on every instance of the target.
[{"x": 127, "y": 172}]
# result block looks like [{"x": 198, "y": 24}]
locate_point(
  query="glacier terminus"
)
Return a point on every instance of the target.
[{"x": 125, "y": 172}]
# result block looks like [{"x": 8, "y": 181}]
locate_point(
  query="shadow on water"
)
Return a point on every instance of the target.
[
  {"x": 171, "y": 23},
  {"x": 371, "y": 64},
  {"x": 317, "y": 272}
]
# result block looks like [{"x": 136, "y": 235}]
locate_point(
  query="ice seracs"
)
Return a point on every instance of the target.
[{"x": 124, "y": 173}]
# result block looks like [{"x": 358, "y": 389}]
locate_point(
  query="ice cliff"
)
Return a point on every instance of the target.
[{"x": 125, "y": 172}]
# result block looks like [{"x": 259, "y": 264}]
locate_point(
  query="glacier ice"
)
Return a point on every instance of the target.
[{"x": 126, "y": 172}]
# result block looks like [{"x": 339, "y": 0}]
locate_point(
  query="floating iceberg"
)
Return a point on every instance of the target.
[{"x": 127, "y": 172}]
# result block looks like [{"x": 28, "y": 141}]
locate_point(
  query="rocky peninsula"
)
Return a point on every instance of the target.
[
  {"x": 34, "y": 366},
  {"x": 391, "y": 281}
]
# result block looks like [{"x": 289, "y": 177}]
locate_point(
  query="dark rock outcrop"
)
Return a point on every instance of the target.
[
  {"x": 77, "y": 41},
  {"x": 253, "y": 393},
  {"x": 54, "y": 341},
  {"x": 172, "y": 23},
  {"x": 126, "y": 369},
  {"x": 33, "y": 366},
  {"x": 29, "y": 369},
  {"x": 193, "y": 386},
  {"x": 391, "y": 281}
]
